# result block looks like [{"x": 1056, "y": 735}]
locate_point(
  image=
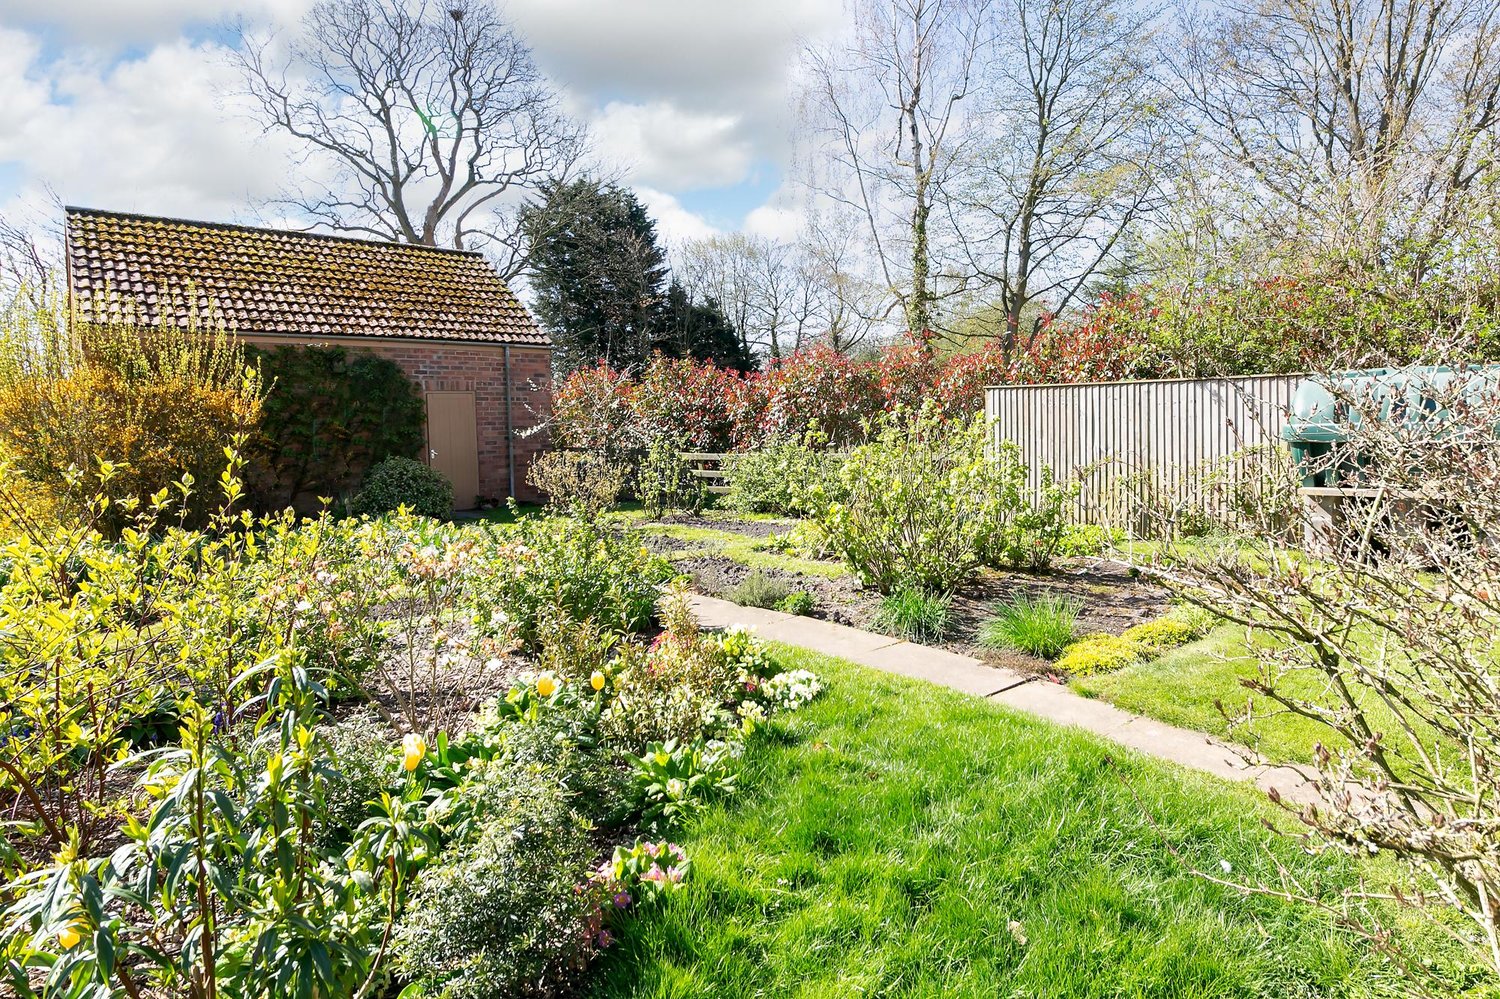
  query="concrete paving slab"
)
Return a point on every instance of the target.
[
  {"x": 1051, "y": 701},
  {"x": 807, "y": 632},
  {"x": 942, "y": 667}
]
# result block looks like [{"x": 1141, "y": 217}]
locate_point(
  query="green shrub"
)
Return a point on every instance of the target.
[
  {"x": 501, "y": 914},
  {"x": 1039, "y": 626},
  {"x": 152, "y": 404},
  {"x": 925, "y": 502},
  {"x": 581, "y": 483},
  {"x": 540, "y": 567},
  {"x": 913, "y": 614},
  {"x": 366, "y": 769},
  {"x": 1099, "y": 654},
  {"x": 398, "y": 482},
  {"x": 663, "y": 481},
  {"x": 776, "y": 478},
  {"x": 1080, "y": 540},
  {"x": 329, "y": 416},
  {"x": 799, "y": 603},
  {"x": 758, "y": 590}
]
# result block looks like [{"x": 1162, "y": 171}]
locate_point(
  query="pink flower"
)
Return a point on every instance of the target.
[{"x": 622, "y": 899}]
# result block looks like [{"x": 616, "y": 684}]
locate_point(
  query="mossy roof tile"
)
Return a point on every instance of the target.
[{"x": 270, "y": 280}]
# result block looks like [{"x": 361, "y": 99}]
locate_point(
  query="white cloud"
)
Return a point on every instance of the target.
[
  {"x": 674, "y": 223},
  {"x": 119, "y": 22},
  {"x": 662, "y": 146},
  {"x": 150, "y": 134},
  {"x": 121, "y": 103}
]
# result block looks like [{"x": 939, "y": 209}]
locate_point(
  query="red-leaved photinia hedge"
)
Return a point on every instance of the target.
[{"x": 708, "y": 408}]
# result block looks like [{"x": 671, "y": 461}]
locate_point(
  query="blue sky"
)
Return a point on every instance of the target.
[{"x": 122, "y": 103}]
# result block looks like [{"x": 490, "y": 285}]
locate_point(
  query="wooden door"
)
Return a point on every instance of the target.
[{"x": 453, "y": 444}]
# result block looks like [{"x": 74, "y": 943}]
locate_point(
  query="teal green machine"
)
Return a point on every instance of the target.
[{"x": 1326, "y": 411}]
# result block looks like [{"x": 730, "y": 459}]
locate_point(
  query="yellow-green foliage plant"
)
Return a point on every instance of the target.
[
  {"x": 153, "y": 403},
  {"x": 1099, "y": 654}
]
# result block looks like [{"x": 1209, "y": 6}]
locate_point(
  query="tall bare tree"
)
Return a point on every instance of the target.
[
  {"x": 1061, "y": 163},
  {"x": 1364, "y": 128},
  {"x": 887, "y": 100},
  {"x": 434, "y": 116},
  {"x": 781, "y": 296}
]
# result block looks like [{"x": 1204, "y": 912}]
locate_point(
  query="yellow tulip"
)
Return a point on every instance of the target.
[
  {"x": 546, "y": 686},
  {"x": 68, "y": 936},
  {"x": 597, "y": 680},
  {"x": 413, "y": 748}
]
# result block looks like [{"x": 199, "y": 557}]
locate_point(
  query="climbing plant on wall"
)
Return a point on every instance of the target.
[{"x": 329, "y": 414}]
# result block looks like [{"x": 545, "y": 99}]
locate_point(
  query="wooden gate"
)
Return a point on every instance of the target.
[{"x": 453, "y": 444}]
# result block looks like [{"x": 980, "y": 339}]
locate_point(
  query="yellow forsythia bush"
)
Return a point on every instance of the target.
[{"x": 152, "y": 403}]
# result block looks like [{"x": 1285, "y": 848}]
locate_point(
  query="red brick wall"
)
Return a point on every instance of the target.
[{"x": 477, "y": 368}]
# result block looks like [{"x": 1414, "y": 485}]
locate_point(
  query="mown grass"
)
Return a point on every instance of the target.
[
  {"x": 741, "y": 548},
  {"x": 898, "y": 839},
  {"x": 1182, "y": 686}
]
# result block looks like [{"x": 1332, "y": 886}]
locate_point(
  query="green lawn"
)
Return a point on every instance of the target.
[
  {"x": 1182, "y": 686},
  {"x": 747, "y": 551},
  {"x": 899, "y": 839}
]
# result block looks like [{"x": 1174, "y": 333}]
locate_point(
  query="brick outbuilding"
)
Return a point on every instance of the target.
[{"x": 445, "y": 316}]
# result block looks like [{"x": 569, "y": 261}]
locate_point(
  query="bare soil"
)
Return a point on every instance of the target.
[{"x": 1112, "y": 598}]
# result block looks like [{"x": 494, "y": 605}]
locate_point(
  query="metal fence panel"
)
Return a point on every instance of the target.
[{"x": 1121, "y": 439}]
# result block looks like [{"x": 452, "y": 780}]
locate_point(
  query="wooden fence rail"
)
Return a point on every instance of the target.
[{"x": 709, "y": 466}]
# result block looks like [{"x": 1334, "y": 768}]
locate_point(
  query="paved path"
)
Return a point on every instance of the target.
[{"x": 1051, "y": 701}]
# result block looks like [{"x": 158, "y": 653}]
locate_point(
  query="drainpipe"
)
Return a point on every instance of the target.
[{"x": 510, "y": 433}]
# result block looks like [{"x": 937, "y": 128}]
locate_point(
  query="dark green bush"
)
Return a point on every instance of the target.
[
  {"x": 501, "y": 914},
  {"x": 329, "y": 416},
  {"x": 406, "y": 482}
]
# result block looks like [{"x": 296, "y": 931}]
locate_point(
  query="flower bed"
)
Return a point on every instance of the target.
[{"x": 331, "y": 758}]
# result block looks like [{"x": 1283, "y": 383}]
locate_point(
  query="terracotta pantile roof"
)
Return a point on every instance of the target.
[{"x": 293, "y": 283}]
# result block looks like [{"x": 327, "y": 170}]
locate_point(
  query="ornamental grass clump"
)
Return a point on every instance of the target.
[
  {"x": 914, "y": 614},
  {"x": 1040, "y": 626}
]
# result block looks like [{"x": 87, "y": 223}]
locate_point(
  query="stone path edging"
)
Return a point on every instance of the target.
[{"x": 1053, "y": 702}]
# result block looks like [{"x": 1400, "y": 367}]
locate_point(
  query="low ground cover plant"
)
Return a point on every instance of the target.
[
  {"x": 758, "y": 590},
  {"x": 799, "y": 603},
  {"x": 1103, "y": 653},
  {"x": 1040, "y": 626}
]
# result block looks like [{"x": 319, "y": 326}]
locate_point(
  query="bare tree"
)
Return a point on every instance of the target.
[
  {"x": 1363, "y": 128},
  {"x": 31, "y": 251},
  {"x": 1061, "y": 166},
  {"x": 780, "y": 296},
  {"x": 888, "y": 101},
  {"x": 435, "y": 117}
]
